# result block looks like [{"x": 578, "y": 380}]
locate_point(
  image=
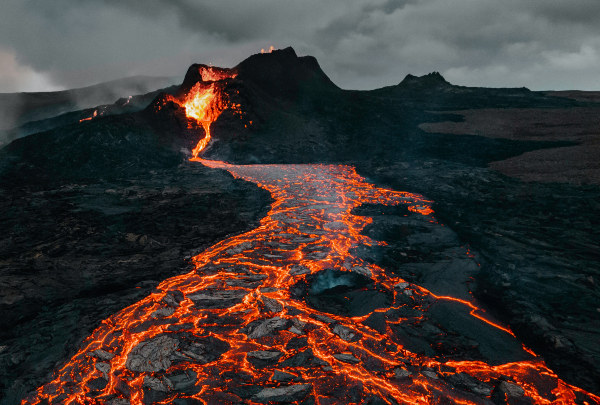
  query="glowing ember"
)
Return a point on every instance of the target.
[
  {"x": 231, "y": 331},
  {"x": 93, "y": 116},
  {"x": 214, "y": 74}
]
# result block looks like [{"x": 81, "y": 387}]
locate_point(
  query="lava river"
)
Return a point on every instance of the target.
[{"x": 236, "y": 331}]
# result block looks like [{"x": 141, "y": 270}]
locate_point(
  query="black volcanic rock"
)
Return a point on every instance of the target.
[{"x": 281, "y": 73}]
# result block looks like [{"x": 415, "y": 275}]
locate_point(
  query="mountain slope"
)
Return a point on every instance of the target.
[{"x": 19, "y": 108}]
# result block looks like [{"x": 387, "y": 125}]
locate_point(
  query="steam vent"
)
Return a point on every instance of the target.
[{"x": 316, "y": 275}]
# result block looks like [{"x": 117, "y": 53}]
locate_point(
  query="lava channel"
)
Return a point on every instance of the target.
[
  {"x": 206, "y": 100},
  {"x": 233, "y": 331}
]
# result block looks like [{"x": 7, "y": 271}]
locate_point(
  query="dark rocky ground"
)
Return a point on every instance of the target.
[
  {"x": 539, "y": 252},
  {"x": 72, "y": 254},
  {"x": 538, "y": 242},
  {"x": 577, "y": 164}
]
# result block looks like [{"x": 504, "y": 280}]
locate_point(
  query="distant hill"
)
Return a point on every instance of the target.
[{"x": 19, "y": 108}]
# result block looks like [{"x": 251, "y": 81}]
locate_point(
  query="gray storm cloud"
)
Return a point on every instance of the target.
[{"x": 361, "y": 44}]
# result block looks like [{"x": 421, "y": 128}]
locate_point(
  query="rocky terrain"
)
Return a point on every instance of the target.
[
  {"x": 539, "y": 254},
  {"x": 73, "y": 254},
  {"x": 97, "y": 208},
  {"x": 293, "y": 312}
]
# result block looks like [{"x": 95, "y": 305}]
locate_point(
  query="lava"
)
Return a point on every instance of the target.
[
  {"x": 94, "y": 115},
  {"x": 205, "y": 106},
  {"x": 206, "y": 100},
  {"x": 210, "y": 73},
  {"x": 232, "y": 330},
  {"x": 271, "y": 49}
]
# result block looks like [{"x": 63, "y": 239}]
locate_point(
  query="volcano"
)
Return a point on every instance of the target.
[{"x": 260, "y": 235}]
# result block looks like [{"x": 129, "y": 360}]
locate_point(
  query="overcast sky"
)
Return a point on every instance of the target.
[{"x": 361, "y": 44}]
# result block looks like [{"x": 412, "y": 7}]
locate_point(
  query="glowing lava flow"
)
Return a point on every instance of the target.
[
  {"x": 231, "y": 331},
  {"x": 212, "y": 74},
  {"x": 205, "y": 102},
  {"x": 203, "y": 105},
  {"x": 89, "y": 118}
]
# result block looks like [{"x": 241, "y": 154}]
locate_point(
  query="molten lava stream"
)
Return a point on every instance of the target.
[
  {"x": 206, "y": 100},
  {"x": 234, "y": 330},
  {"x": 205, "y": 104}
]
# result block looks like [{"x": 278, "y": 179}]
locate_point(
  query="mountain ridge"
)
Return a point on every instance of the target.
[{"x": 19, "y": 108}]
